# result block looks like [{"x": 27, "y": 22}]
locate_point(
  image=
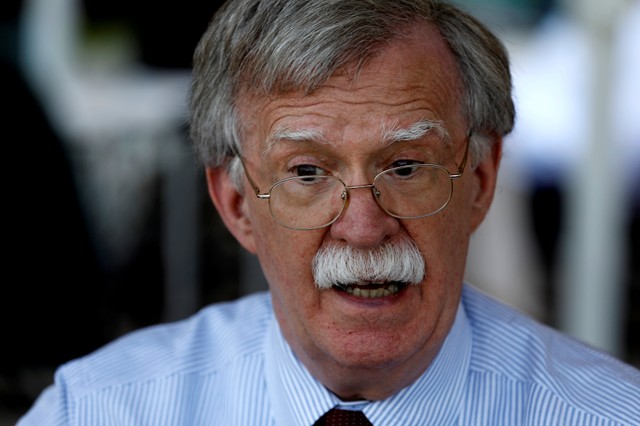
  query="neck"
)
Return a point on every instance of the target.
[{"x": 353, "y": 382}]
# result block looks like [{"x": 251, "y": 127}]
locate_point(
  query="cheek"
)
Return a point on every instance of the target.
[
  {"x": 443, "y": 240},
  {"x": 457, "y": 217},
  {"x": 285, "y": 255}
]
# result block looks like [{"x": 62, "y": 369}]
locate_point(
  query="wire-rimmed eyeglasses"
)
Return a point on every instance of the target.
[{"x": 405, "y": 192}]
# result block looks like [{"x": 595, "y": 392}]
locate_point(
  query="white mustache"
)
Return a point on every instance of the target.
[{"x": 398, "y": 261}]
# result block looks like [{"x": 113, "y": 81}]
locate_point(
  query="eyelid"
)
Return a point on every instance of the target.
[
  {"x": 413, "y": 155},
  {"x": 310, "y": 159},
  {"x": 293, "y": 168},
  {"x": 405, "y": 162}
]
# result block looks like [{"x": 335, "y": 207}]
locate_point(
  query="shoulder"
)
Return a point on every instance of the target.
[
  {"x": 513, "y": 350},
  {"x": 204, "y": 343}
]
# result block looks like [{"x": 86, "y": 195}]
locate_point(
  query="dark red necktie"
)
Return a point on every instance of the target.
[{"x": 337, "y": 417}]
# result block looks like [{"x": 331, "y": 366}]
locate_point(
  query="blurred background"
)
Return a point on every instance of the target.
[{"x": 109, "y": 227}]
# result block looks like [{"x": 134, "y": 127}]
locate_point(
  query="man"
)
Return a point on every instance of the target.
[{"x": 353, "y": 146}]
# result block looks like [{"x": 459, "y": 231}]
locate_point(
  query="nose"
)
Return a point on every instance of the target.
[{"x": 363, "y": 223}]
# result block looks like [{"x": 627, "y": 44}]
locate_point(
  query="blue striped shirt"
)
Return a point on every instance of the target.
[{"x": 230, "y": 365}]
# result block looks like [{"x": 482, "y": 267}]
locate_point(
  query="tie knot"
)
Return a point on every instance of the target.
[{"x": 338, "y": 417}]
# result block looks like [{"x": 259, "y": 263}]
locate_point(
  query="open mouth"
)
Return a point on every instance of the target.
[{"x": 372, "y": 289}]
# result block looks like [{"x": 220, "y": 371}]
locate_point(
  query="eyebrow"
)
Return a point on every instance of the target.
[
  {"x": 414, "y": 132},
  {"x": 301, "y": 135},
  {"x": 390, "y": 133}
]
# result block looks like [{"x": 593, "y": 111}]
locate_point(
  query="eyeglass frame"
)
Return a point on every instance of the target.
[{"x": 345, "y": 194}]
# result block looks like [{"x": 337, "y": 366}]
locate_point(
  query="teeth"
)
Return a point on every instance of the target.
[{"x": 370, "y": 293}]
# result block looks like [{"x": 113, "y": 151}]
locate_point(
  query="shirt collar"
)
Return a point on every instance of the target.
[{"x": 298, "y": 398}]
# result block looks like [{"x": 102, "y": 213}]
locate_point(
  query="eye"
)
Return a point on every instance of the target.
[
  {"x": 402, "y": 163},
  {"x": 309, "y": 170},
  {"x": 404, "y": 168}
]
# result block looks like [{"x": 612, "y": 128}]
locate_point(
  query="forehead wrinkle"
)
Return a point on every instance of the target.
[
  {"x": 392, "y": 133},
  {"x": 292, "y": 134}
]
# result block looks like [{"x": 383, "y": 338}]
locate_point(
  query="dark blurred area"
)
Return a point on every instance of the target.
[
  {"x": 53, "y": 288},
  {"x": 166, "y": 32},
  {"x": 59, "y": 299}
]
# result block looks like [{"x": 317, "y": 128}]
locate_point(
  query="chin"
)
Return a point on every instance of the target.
[{"x": 373, "y": 351}]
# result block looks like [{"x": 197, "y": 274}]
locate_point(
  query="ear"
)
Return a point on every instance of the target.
[
  {"x": 485, "y": 176},
  {"x": 231, "y": 206}
]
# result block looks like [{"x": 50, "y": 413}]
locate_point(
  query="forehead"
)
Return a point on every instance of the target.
[{"x": 413, "y": 78}]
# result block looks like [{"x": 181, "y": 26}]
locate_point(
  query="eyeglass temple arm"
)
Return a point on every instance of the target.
[
  {"x": 255, "y": 187},
  {"x": 464, "y": 159}
]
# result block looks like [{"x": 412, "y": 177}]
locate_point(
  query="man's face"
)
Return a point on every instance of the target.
[{"x": 362, "y": 347}]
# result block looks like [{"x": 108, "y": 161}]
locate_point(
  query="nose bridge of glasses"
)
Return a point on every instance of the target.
[
  {"x": 347, "y": 189},
  {"x": 367, "y": 185},
  {"x": 371, "y": 186}
]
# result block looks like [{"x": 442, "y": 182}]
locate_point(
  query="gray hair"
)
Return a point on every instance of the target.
[{"x": 255, "y": 47}]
